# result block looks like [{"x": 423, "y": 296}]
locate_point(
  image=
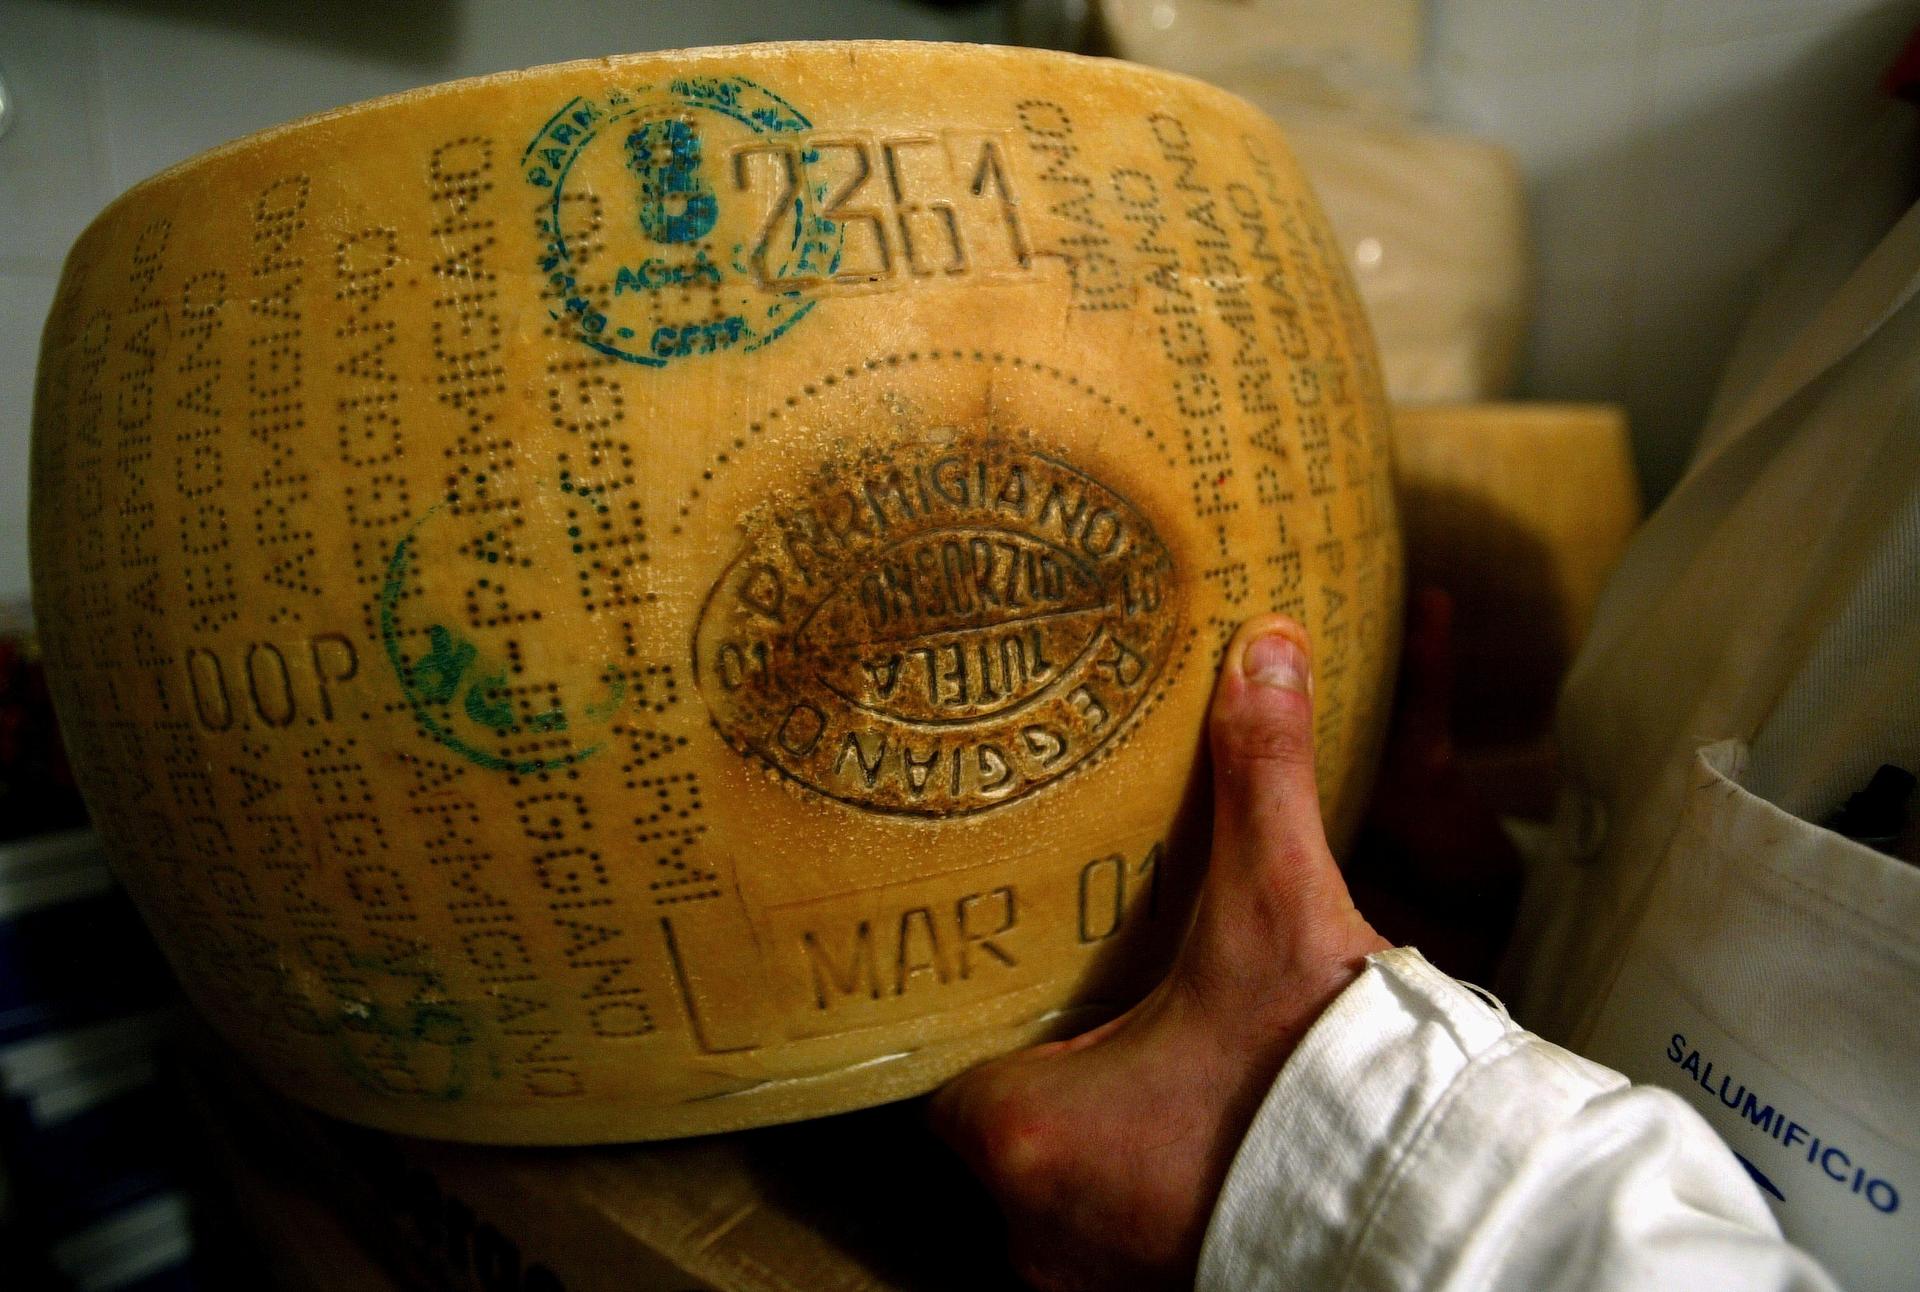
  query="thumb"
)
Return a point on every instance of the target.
[
  {"x": 1266, "y": 803},
  {"x": 1274, "y": 905}
]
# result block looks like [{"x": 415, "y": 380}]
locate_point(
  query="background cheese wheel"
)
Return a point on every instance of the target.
[
  {"x": 1435, "y": 227},
  {"x": 1520, "y": 511},
  {"x": 675, "y": 592}
]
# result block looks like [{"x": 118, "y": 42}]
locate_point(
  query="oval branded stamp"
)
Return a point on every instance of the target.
[{"x": 938, "y": 629}]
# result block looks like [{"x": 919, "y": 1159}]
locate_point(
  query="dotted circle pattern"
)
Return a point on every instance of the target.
[{"x": 853, "y": 372}]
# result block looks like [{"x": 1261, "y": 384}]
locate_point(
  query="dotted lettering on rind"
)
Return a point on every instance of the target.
[
  {"x": 369, "y": 430},
  {"x": 1097, "y": 279},
  {"x": 572, "y": 870},
  {"x": 275, "y": 385},
  {"x": 667, "y": 828},
  {"x": 145, "y": 332},
  {"x": 606, "y": 530},
  {"x": 211, "y": 587}
]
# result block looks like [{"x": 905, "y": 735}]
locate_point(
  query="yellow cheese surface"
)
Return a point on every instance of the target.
[
  {"x": 1520, "y": 511},
  {"x": 680, "y": 591}
]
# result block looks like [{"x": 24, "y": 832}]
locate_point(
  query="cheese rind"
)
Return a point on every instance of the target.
[
  {"x": 664, "y": 594},
  {"x": 1520, "y": 511}
]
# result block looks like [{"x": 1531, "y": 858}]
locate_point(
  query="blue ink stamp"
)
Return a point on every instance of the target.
[{"x": 678, "y": 220}]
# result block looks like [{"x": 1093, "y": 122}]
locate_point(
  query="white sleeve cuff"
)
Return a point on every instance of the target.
[{"x": 1418, "y": 1138}]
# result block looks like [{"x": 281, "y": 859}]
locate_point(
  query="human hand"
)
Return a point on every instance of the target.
[{"x": 1107, "y": 1151}]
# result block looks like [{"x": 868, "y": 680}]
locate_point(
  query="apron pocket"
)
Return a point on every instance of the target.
[{"x": 1774, "y": 984}]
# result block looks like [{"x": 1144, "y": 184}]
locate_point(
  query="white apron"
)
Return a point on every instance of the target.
[{"x": 1754, "y": 660}]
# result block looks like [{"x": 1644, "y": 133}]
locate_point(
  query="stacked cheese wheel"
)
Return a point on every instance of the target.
[
  {"x": 669, "y": 593},
  {"x": 1520, "y": 511}
]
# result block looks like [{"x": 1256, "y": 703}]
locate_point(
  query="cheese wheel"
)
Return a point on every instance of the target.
[
  {"x": 680, "y": 591},
  {"x": 1521, "y": 512}
]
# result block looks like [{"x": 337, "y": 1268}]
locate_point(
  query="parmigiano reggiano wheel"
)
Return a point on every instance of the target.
[
  {"x": 1520, "y": 511},
  {"x": 668, "y": 593}
]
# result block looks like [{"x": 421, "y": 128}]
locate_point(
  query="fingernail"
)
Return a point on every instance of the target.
[{"x": 1275, "y": 660}]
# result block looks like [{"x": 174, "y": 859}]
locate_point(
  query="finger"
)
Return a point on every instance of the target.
[
  {"x": 950, "y": 1115},
  {"x": 980, "y": 1116},
  {"x": 1276, "y": 930},
  {"x": 1266, "y": 803}
]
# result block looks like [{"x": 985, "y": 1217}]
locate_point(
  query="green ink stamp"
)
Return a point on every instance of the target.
[
  {"x": 475, "y": 680},
  {"x": 401, "y": 1034}
]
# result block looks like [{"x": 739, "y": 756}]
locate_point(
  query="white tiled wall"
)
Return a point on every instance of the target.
[{"x": 1670, "y": 144}]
